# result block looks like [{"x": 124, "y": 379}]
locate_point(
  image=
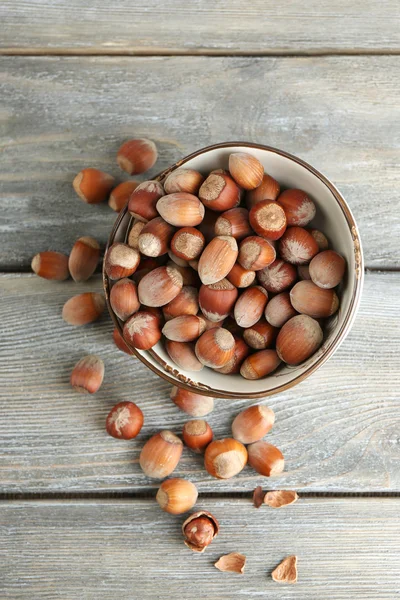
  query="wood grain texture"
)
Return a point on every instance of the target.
[
  {"x": 59, "y": 115},
  {"x": 199, "y": 26},
  {"x": 339, "y": 430},
  {"x": 346, "y": 548}
]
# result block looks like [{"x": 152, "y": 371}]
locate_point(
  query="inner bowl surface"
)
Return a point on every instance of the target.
[{"x": 333, "y": 217}]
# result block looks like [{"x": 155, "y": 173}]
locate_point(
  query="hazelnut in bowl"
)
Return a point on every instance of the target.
[{"x": 235, "y": 273}]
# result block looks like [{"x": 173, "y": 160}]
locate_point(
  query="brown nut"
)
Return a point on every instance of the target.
[
  {"x": 241, "y": 351},
  {"x": 255, "y": 253},
  {"x": 260, "y": 364},
  {"x": 51, "y": 265},
  {"x": 266, "y": 459},
  {"x": 187, "y": 243},
  {"x": 177, "y": 496},
  {"x": 297, "y": 246},
  {"x": 83, "y": 308},
  {"x": 219, "y": 192},
  {"x": 327, "y": 269},
  {"x": 121, "y": 261},
  {"x": 185, "y": 303},
  {"x": 155, "y": 237},
  {"x": 225, "y": 458},
  {"x": 253, "y": 423},
  {"x": 84, "y": 258},
  {"x": 120, "y": 195},
  {"x": 124, "y": 421},
  {"x": 160, "y": 286},
  {"x": 87, "y": 375},
  {"x": 261, "y": 335},
  {"x": 309, "y": 299},
  {"x": 181, "y": 209},
  {"x": 279, "y": 310},
  {"x": 298, "y": 207},
  {"x": 234, "y": 222},
  {"x": 143, "y": 200},
  {"x": 93, "y": 186},
  {"x": 217, "y": 259},
  {"x": 124, "y": 299},
  {"x": 183, "y": 355},
  {"x": 186, "y": 328},
  {"x": 183, "y": 180},
  {"x": 278, "y": 276},
  {"x": 268, "y": 219},
  {"x": 298, "y": 339},
  {"x": 161, "y": 454},
  {"x": 137, "y": 156},
  {"x": 199, "y": 530},
  {"x": 267, "y": 190},
  {"x": 250, "y": 306},
  {"x": 246, "y": 170},
  {"x": 142, "y": 330},
  {"x": 217, "y": 300},
  {"x": 197, "y": 434},
  {"x": 215, "y": 347},
  {"x": 195, "y": 405},
  {"x": 240, "y": 277}
]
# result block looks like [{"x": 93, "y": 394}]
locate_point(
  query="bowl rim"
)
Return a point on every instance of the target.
[{"x": 176, "y": 378}]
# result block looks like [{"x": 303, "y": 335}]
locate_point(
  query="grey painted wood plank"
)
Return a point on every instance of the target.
[
  {"x": 61, "y": 114},
  {"x": 200, "y": 26},
  {"x": 339, "y": 430},
  {"x": 346, "y": 548}
]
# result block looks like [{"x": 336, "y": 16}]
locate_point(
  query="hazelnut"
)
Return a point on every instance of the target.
[
  {"x": 124, "y": 299},
  {"x": 298, "y": 207},
  {"x": 124, "y": 421},
  {"x": 266, "y": 459},
  {"x": 137, "y": 156},
  {"x": 160, "y": 286},
  {"x": 298, "y": 339},
  {"x": 297, "y": 246},
  {"x": 278, "y": 276},
  {"x": 267, "y": 190},
  {"x": 240, "y": 277},
  {"x": 279, "y": 310},
  {"x": 234, "y": 222},
  {"x": 186, "y": 328},
  {"x": 250, "y": 306},
  {"x": 217, "y": 259},
  {"x": 181, "y": 209},
  {"x": 219, "y": 192},
  {"x": 160, "y": 455},
  {"x": 87, "y": 375},
  {"x": 177, "y": 496},
  {"x": 155, "y": 237},
  {"x": 260, "y": 364},
  {"x": 217, "y": 300},
  {"x": 195, "y": 405},
  {"x": 240, "y": 352},
  {"x": 327, "y": 269},
  {"x": 84, "y": 258},
  {"x": 261, "y": 335},
  {"x": 253, "y": 423},
  {"x": 183, "y": 355},
  {"x": 93, "y": 186},
  {"x": 215, "y": 347},
  {"x": 309, "y": 299},
  {"x": 143, "y": 200},
  {"x": 121, "y": 261},
  {"x": 120, "y": 195},
  {"x": 142, "y": 330},
  {"x": 246, "y": 170},
  {"x": 225, "y": 458},
  {"x": 255, "y": 253},
  {"x": 83, "y": 308},
  {"x": 197, "y": 434},
  {"x": 187, "y": 243},
  {"x": 185, "y": 303},
  {"x": 51, "y": 265},
  {"x": 268, "y": 219},
  {"x": 183, "y": 180},
  {"x": 199, "y": 530}
]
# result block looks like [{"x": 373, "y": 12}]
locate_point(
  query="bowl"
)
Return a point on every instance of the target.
[{"x": 333, "y": 217}]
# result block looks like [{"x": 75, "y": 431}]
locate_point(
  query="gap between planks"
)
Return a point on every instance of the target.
[{"x": 220, "y": 53}]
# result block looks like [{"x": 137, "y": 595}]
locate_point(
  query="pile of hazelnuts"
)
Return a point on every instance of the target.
[{"x": 226, "y": 269}]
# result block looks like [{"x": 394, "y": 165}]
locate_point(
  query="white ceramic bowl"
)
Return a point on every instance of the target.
[{"x": 333, "y": 217}]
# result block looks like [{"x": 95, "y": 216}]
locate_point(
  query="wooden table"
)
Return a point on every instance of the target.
[{"x": 78, "y": 519}]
